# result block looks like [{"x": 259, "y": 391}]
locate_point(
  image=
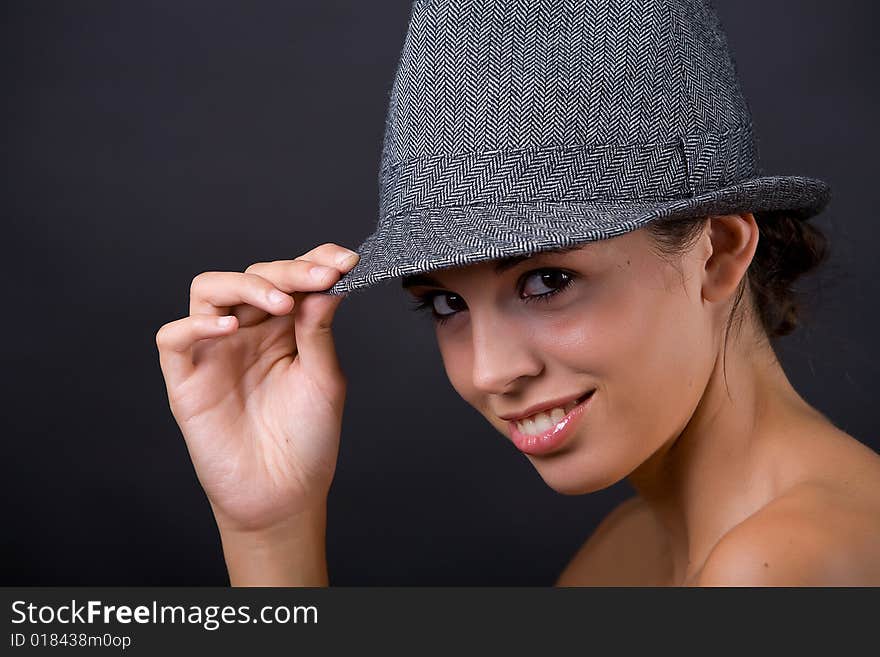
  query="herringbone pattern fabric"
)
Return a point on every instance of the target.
[{"x": 517, "y": 125}]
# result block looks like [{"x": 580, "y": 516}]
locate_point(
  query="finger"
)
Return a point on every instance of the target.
[
  {"x": 217, "y": 292},
  {"x": 176, "y": 339},
  {"x": 304, "y": 274},
  {"x": 296, "y": 276},
  {"x": 313, "y": 320},
  {"x": 331, "y": 254}
]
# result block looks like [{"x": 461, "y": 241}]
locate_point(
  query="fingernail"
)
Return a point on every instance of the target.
[
  {"x": 348, "y": 259},
  {"x": 277, "y": 297}
]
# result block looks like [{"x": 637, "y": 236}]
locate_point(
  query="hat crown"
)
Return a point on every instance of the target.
[{"x": 512, "y": 101}]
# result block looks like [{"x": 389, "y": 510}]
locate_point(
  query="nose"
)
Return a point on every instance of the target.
[{"x": 501, "y": 354}]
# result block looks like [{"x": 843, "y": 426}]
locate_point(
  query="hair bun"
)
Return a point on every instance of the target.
[{"x": 787, "y": 249}]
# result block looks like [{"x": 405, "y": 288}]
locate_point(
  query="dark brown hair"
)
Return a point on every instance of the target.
[{"x": 787, "y": 249}]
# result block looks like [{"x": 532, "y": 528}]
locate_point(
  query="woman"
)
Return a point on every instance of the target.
[{"x": 604, "y": 251}]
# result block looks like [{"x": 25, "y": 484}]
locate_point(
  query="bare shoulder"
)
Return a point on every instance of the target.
[
  {"x": 625, "y": 549},
  {"x": 816, "y": 534}
]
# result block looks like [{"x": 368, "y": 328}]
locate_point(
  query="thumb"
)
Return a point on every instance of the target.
[{"x": 313, "y": 320}]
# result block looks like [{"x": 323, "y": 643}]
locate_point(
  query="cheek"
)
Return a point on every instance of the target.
[{"x": 659, "y": 352}]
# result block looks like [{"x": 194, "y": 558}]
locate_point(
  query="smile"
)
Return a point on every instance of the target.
[{"x": 548, "y": 430}]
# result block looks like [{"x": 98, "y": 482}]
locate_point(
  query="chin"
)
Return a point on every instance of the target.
[{"x": 568, "y": 477}]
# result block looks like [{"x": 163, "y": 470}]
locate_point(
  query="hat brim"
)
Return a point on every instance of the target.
[{"x": 451, "y": 236}]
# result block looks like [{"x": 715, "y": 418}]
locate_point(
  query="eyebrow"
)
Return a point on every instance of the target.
[{"x": 501, "y": 265}]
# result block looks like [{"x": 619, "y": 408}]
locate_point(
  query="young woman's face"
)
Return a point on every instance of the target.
[{"x": 611, "y": 316}]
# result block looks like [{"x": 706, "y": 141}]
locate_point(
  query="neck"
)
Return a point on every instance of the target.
[{"x": 712, "y": 476}]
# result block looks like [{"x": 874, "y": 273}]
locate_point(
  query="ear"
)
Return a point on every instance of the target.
[{"x": 733, "y": 239}]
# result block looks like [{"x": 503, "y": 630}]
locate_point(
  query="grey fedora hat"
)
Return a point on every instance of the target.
[{"x": 520, "y": 125}]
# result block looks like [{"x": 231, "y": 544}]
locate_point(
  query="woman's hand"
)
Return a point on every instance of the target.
[{"x": 259, "y": 401}]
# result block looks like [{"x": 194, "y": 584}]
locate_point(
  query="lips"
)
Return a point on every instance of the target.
[
  {"x": 545, "y": 406},
  {"x": 554, "y": 437}
]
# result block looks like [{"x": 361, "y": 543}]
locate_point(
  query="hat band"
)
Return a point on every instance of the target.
[{"x": 667, "y": 170}]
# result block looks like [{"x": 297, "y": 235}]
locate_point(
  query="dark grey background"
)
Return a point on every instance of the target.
[{"x": 144, "y": 143}]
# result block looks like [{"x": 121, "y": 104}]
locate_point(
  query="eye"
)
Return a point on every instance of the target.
[
  {"x": 439, "y": 303},
  {"x": 554, "y": 279},
  {"x": 444, "y": 305}
]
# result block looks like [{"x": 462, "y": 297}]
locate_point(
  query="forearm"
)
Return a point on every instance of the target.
[{"x": 290, "y": 555}]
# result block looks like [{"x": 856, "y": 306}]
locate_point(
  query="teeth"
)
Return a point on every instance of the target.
[
  {"x": 541, "y": 422},
  {"x": 529, "y": 427}
]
